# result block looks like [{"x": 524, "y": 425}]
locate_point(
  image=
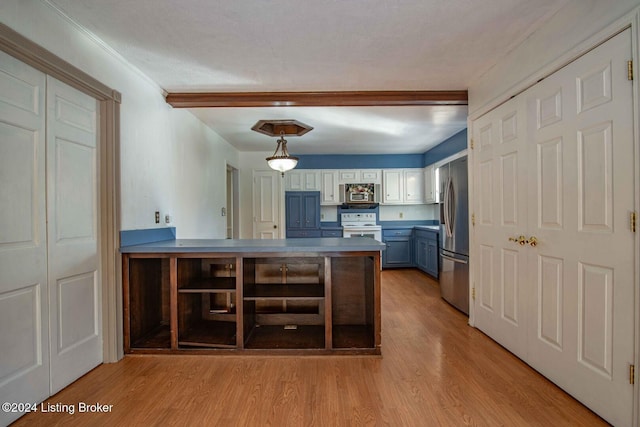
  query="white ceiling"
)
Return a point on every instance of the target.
[{"x": 319, "y": 45}]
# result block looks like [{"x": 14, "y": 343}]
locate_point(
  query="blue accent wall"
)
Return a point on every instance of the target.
[
  {"x": 148, "y": 235},
  {"x": 359, "y": 161},
  {"x": 446, "y": 148}
]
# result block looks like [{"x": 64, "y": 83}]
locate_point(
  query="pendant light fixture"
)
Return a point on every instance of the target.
[{"x": 281, "y": 161}]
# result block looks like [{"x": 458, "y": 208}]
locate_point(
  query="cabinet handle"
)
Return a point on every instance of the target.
[{"x": 275, "y": 226}]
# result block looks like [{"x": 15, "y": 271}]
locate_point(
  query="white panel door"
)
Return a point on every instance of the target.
[
  {"x": 266, "y": 204},
  {"x": 500, "y": 205},
  {"x": 24, "y": 317},
  {"x": 581, "y": 191},
  {"x": 72, "y": 188}
]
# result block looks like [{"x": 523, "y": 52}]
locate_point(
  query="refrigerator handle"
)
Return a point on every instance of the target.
[
  {"x": 461, "y": 261},
  {"x": 448, "y": 211}
]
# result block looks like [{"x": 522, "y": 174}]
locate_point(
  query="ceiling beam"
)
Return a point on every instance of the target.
[{"x": 316, "y": 99}]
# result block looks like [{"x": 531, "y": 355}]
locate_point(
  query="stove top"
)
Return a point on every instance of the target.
[{"x": 359, "y": 220}]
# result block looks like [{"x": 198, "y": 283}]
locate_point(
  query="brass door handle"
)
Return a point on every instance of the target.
[
  {"x": 533, "y": 241},
  {"x": 521, "y": 240}
]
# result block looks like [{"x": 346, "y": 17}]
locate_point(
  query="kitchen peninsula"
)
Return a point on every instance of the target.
[{"x": 288, "y": 296}]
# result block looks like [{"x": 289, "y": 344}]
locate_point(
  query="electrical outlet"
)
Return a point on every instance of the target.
[
  {"x": 167, "y": 219},
  {"x": 157, "y": 217},
  {"x": 401, "y": 215}
]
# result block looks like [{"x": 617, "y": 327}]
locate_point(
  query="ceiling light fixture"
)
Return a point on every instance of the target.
[{"x": 282, "y": 161}]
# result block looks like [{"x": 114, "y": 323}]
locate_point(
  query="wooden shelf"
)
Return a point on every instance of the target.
[
  {"x": 209, "y": 333},
  {"x": 159, "y": 337},
  {"x": 277, "y": 337},
  {"x": 353, "y": 336},
  {"x": 212, "y": 285},
  {"x": 274, "y": 291}
]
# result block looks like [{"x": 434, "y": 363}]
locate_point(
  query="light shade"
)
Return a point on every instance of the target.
[
  {"x": 282, "y": 164},
  {"x": 282, "y": 161}
]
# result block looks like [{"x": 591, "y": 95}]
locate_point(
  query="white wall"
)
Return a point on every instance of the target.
[
  {"x": 166, "y": 154},
  {"x": 563, "y": 37},
  {"x": 201, "y": 158}
]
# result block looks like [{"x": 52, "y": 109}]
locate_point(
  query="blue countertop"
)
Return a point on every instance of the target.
[
  {"x": 427, "y": 227},
  {"x": 324, "y": 244}
]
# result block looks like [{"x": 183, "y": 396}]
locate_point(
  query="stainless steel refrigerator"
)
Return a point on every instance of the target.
[{"x": 454, "y": 234}]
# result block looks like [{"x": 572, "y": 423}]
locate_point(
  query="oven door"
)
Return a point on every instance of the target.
[{"x": 373, "y": 232}]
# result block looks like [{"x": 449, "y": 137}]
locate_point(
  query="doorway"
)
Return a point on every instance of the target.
[{"x": 232, "y": 210}]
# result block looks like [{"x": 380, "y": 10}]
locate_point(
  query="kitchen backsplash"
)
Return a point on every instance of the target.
[
  {"x": 409, "y": 212},
  {"x": 390, "y": 213}
]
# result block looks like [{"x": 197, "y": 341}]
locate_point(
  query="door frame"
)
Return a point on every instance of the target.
[
  {"x": 109, "y": 100},
  {"x": 233, "y": 201},
  {"x": 630, "y": 20}
]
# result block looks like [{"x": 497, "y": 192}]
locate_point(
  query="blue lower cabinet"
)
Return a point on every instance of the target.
[
  {"x": 302, "y": 213},
  {"x": 333, "y": 232},
  {"x": 426, "y": 251},
  {"x": 399, "y": 251},
  {"x": 303, "y": 233}
]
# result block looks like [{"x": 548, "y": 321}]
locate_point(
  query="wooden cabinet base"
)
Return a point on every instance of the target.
[{"x": 271, "y": 303}]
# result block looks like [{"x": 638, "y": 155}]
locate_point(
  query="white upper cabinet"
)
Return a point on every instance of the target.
[
  {"x": 329, "y": 193},
  {"x": 371, "y": 176},
  {"x": 360, "y": 176},
  {"x": 402, "y": 186},
  {"x": 414, "y": 186},
  {"x": 430, "y": 185},
  {"x": 393, "y": 186},
  {"x": 302, "y": 180}
]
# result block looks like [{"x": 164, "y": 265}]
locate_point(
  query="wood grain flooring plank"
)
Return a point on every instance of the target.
[{"x": 435, "y": 370}]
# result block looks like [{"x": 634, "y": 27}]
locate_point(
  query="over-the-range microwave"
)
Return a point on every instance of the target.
[{"x": 359, "y": 193}]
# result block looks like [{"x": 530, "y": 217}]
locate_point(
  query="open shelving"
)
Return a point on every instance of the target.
[
  {"x": 208, "y": 302},
  {"x": 283, "y": 302}
]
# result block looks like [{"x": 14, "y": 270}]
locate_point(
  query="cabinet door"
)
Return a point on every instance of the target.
[
  {"x": 393, "y": 186},
  {"x": 421, "y": 254},
  {"x": 398, "y": 253},
  {"x": 294, "y": 211},
  {"x": 293, "y": 181},
  {"x": 348, "y": 176},
  {"x": 311, "y": 180},
  {"x": 414, "y": 186},
  {"x": 311, "y": 210},
  {"x": 329, "y": 191},
  {"x": 432, "y": 258},
  {"x": 371, "y": 176},
  {"x": 430, "y": 185}
]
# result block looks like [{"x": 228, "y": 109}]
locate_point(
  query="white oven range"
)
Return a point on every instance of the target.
[{"x": 361, "y": 225}]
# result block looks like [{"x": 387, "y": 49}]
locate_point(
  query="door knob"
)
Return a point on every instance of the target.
[
  {"x": 521, "y": 240},
  {"x": 533, "y": 241}
]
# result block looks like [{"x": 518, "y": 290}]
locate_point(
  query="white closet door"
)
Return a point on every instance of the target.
[
  {"x": 72, "y": 184},
  {"x": 581, "y": 191},
  {"x": 266, "y": 204},
  {"x": 500, "y": 164},
  {"x": 24, "y": 319}
]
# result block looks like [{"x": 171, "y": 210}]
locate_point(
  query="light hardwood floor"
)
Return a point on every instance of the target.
[{"x": 434, "y": 370}]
